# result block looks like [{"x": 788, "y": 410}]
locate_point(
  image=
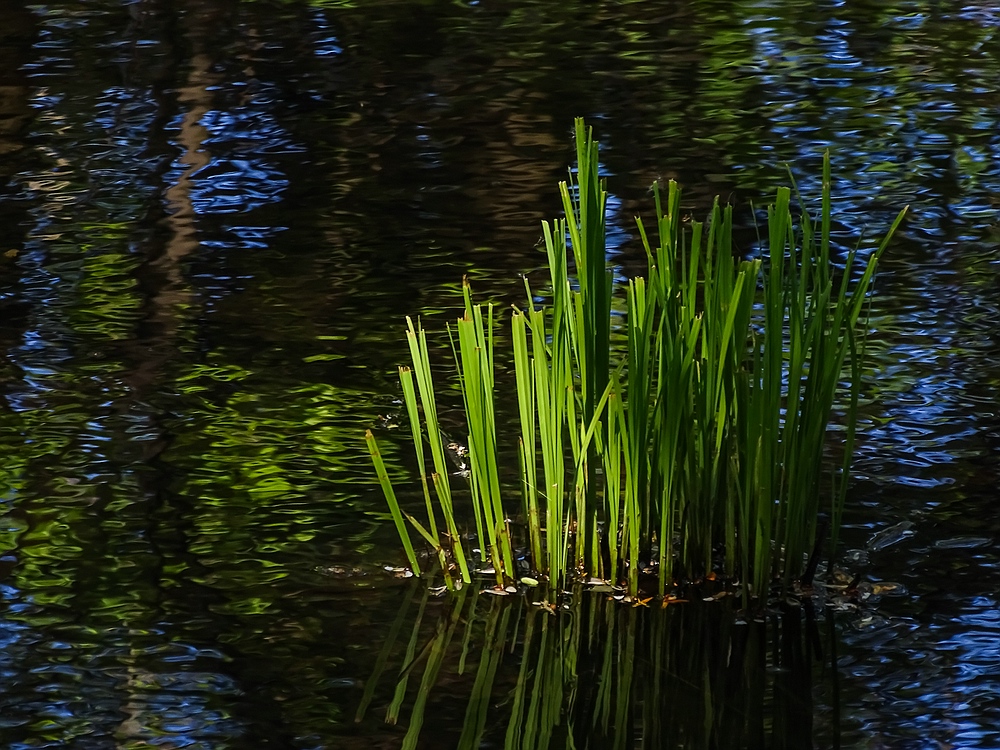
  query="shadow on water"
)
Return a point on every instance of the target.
[{"x": 474, "y": 670}]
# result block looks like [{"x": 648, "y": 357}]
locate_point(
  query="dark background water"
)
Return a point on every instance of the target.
[{"x": 216, "y": 214}]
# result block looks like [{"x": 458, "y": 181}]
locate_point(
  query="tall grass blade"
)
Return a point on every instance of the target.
[{"x": 390, "y": 496}]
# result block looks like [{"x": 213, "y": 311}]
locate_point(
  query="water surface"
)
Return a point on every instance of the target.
[{"x": 216, "y": 215}]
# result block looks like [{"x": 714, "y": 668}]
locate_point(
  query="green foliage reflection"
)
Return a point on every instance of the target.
[{"x": 599, "y": 675}]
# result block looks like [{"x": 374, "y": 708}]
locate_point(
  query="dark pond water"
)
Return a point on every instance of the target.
[{"x": 216, "y": 214}]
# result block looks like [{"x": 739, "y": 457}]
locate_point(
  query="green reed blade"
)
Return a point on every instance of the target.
[
  {"x": 390, "y": 496},
  {"x": 417, "y": 340},
  {"x": 527, "y": 451},
  {"x": 410, "y": 400},
  {"x": 474, "y": 477}
]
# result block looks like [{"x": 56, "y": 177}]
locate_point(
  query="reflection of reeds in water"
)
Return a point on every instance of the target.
[
  {"x": 703, "y": 449},
  {"x": 601, "y": 676}
]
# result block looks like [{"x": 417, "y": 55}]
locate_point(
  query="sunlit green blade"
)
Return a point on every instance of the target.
[
  {"x": 390, "y": 496},
  {"x": 410, "y": 400}
]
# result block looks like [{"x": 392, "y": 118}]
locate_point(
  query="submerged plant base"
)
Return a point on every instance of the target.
[
  {"x": 825, "y": 586},
  {"x": 703, "y": 451}
]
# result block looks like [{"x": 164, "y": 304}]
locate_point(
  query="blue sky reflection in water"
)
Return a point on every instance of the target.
[{"x": 216, "y": 215}]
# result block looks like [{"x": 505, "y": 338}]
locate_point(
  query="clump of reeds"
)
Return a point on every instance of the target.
[{"x": 705, "y": 448}]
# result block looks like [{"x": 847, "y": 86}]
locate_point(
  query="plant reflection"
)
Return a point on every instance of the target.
[{"x": 598, "y": 674}]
